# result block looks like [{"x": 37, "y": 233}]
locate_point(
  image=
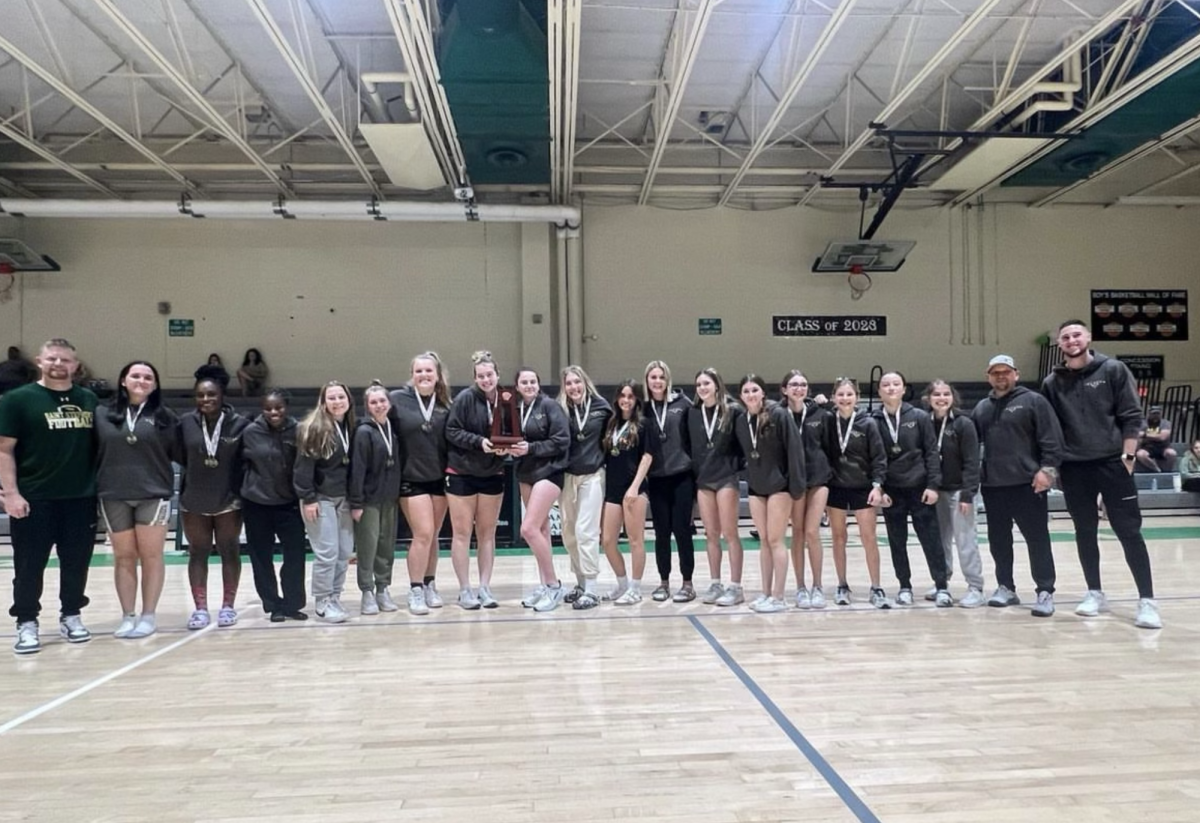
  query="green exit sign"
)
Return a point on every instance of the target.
[
  {"x": 181, "y": 328},
  {"x": 710, "y": 325}
]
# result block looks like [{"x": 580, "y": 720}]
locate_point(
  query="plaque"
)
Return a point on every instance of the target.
[{"x": 506, "y": 419}]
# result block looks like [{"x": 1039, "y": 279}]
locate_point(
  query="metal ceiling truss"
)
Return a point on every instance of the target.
[
  {"x": 301, "y": 72},
  {"x": 219, "y": 123},
  {"x": 832, "y": 25},
  {"x": 686, "y": 35},
  {"x": 564, "y": 24},
  {"x": 416, "y": 45},
  {"x": 100, "y": 117},
  {"x": 947, "y": 48},
  {"x": 46, "y": 154}
]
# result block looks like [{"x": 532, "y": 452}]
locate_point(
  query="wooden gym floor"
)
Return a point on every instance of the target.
[{"x": 657, "y": 711}]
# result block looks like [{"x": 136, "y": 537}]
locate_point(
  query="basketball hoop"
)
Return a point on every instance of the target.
[{"x": 860, "y": 282}]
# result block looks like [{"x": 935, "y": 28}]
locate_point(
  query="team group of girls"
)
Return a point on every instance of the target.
[{"x": 337, "y": 482}]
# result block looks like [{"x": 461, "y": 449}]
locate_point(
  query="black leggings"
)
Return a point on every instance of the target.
[
  {"x": 905, "y": 502},
  {"x": 1110, "y": 479},
  {"x": 671, "y": 502}
]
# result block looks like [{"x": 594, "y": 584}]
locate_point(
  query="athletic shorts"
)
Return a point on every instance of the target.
[
  {"x": 850, "y": 500},
  {"x": 416, "y": 488},
  {"x": 123, "y": 515},
  {"x": 467, "y": 485},
  {"x": 727, "y": 483},
  {"x": 617, "y": 496}
]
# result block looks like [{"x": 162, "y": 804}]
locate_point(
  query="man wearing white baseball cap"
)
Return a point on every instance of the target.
[{"x": 1021, "y": 445}]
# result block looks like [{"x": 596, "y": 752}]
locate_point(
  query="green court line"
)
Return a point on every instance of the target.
[{"x": 175, "y": 558}]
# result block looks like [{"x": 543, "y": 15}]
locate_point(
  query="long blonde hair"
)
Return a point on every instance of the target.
[
  {"x": 722, "y": 397},
  {"x": 441, "y": 388},
  {"x": 666, "y": 370},
  {"x": 314, "y": 435},
  {"x": 589, "y": 388}
]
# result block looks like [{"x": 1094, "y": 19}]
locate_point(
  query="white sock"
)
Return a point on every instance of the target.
[
  {"x": 589, "y": 585},
  {"x": 635, "y": 584},
  {"x": 622, "y": 583}
]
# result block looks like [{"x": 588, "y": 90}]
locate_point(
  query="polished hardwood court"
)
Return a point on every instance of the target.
[{"x": 658, "y": 711}]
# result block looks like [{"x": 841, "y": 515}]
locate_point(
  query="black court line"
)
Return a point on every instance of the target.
[{"x": 853, "y": 802}]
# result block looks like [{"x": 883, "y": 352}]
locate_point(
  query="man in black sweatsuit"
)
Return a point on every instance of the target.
[
  {"x": 1022, "y": 448},
  {"x": 1095, "y": 398}
]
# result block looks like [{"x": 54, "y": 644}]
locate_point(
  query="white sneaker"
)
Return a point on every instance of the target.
[
  {"x": 128, "y": 624},
  {"x": 416, "y": 601},
  {"x": 614, "y": 594},
  {"x": 879, "y": 599},
  {"x": 432, "y": 599},
  {"x": 733, "y": 595},
  {"x": 28, "y": 641},
  {"x": 817, "y": 598},
  {"x": 713, "y": 593},
  {"x": 72, "y": 629},
  {"x": 331, "y": 611},
  {"x": 551, "y": 597},
  {"x": 468, "y": 600},
  {"x": 973, "y": 599},
  {"x": 803, "y": 599},
  {"x": 383, "y": 598},
  {"x": 1092, "y": 604},
  {"x": 930, "y": 595},
  {"x": 147, "y": 625},
  {"x": 1147, "y": 614},
  {"x": 369, "y": 604},
  {"x": 631, "y": 597},
  {"x": 486, "y": 600},
  {"x": 1003, "y": 597},
  {"x": 762, "y": 598},
  {"x": 943, "y": 600},
  {"x": 772, "y": 605},
  {"x": 1044, "y": 606},
  {"x": 904, "y": 597},
  {"x": 534, "y": 597}
]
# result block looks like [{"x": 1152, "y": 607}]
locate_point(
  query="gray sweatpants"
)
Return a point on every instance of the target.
[
  {"x": 332, "y": 542},
  {"x": 375, "y": 544},
  {"x": 959, "y": 529}
]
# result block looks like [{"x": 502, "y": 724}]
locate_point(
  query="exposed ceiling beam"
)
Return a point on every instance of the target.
[
  {"x": 314, "y": 94},
  {"x": 417, "y": 47},
  {"x": 832, "y": 25},
  {"x": 974, "y": 19},
  {"x": 219, "y": 123},
  {"x": 563, "y": 22},
  {"x": 690, "y": 26},
  {"x": 100, "y": 117},
  {"x": 372, "y": 101},
  {"x": 44, "y": 153}
]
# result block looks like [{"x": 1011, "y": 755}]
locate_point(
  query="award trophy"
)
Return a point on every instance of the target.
[{"x": 506, "y": 416}]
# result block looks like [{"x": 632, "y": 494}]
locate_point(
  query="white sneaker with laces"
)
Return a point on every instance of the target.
[
  {"x": 803, "y": 599},
  {"x": 331, "y": 611},
  {"x": 762, "y": 598},
  {"x": 931, "y": 595},
  {"x": 383, "y": 598},
  {"x": 943, "y": 600},
  {"x": 432, "y": 599},
  {"x": 713, "y": 593},
  {"x": 369, "y": 604},
  {"x": 486, "y": 599},
  {"x": 1147, "y": 614},
  {"x": 534, "y": 597},
  {"x": 1092, "y": 604},
  {"x": 772, "y": 605},
  {"x": 973, "y": 599},
  {"x": 467, "y": 600},
  {"x": 817, "y": 598},
  {"x": 551, "y": 598},
  {"x": 128, "y": 624},
  {"x": 1003, "y": 597},
  {"x": 879, "y": 599},
  {"x": 732, "y": 596},
  {"x": 904, "y": 597},
  {"x": 416, "y": 601},
  {"x": 1044, "y": 606},
  {"x": 28, "y": 641},
  {"x": 72, "y": 629}
]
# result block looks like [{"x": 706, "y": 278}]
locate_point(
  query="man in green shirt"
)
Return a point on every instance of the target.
[{"x": 48, "y": 484}]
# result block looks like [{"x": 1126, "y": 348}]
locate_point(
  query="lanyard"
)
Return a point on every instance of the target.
[
  {"x": 132, "y": 419},
  {"x": 754, "y": 433},
  {"x": 386, "y": 433},
  {"x": 525, "y": 414},
  {"x": 844, "y": 439},
  {"x": 942, "y": 430},
  {"x": 427, "y": 413},
  {"x": 581, "y": 420},
  {"x": 893, "y": 430},
  {"x": 210, "y": 443},
  {"x": 709, "y": 425},
  {"x": 618, "y": 434},
  {"x": 661, "y": 419},
  {"x": 344, "y": 437}
]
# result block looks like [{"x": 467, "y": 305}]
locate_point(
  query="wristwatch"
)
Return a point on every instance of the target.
[{"x": 1127, "y": 456}]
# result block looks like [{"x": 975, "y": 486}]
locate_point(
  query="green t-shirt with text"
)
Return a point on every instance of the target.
[{"x": 56, "y": 447}]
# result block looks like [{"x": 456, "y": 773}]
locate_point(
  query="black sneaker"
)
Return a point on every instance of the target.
[
  {"x": 278, "y": 617},
  {"x": 296, "y": 615}
]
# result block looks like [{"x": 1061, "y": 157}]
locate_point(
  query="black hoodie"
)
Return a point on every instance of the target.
[
  {"x": 467, "y": 426},
  {"x": 269, "y": 456},
  {"x": 1019, "y": 435},
  {"x": 915, "y": 465},
  {"x": 959, "y": 453},
  {"x": 372, "y": 481},
  {"x": 812, "y": 422},
  {"x": 864, "y": 463},
  {"x": 423, "y": 453},
  {"x": 1097, "y": 408},
  {"x": 779, "y": 465},
  {"x": 586, "y": 454},
  {"x": 717, "y": 463},
  {"x": 210, "y": 489},
  {"x": 548, "y": 434},
  {"x": 140, "y": 470},
  {"x": 669, "y": 449},
  {"x": 322, "y": 477}
]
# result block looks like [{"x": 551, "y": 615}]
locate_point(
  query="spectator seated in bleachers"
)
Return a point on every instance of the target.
[
  {"x": 1154, "y": 451},
  {"x": 1189, "y": 468}
]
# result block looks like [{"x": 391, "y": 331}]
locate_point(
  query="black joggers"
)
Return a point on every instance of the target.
[
  {"x": 70, "y": 525},
  {"x": 263, "y": 525}
]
